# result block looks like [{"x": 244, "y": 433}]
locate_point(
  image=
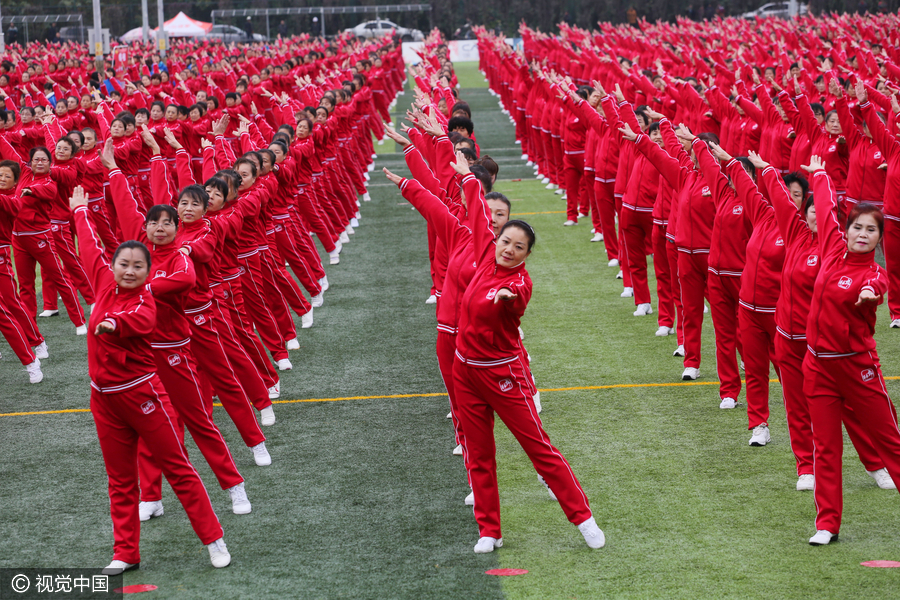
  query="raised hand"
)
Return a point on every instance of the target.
[
  {"x": 171, "y": 139},
  {"x": 108, "y": 155},
  {"x": 861, "y": 94},
  {"x": 149, "y": 140},
  {"x": 393, "y": 177},
  {"x": 506, "y": 295},
  {"x": 461, "y": 165},
  {"x": 815, "y": 164},
  {"x": 757, "y": 161},
  {"x": 79, "y": 198},
  {"x": 392, "y": 133},
  {"x": 627, "y": 133},
  {"x": 683, "y": 133},
  {"x": 719, "y": 153}
]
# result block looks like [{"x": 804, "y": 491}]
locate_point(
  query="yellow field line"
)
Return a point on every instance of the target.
[
  {"x": 430, "y": 395},
  {"x": 549, "y": 212}
]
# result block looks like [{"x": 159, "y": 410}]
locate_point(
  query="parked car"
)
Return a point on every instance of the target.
[
  {"x": 383, "y": 27},
  {"x": 230, "y": 33},
  {"x": 775, "y": 9}
]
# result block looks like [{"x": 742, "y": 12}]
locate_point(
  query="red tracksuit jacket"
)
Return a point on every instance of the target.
[{"x": 731, "y": 230}]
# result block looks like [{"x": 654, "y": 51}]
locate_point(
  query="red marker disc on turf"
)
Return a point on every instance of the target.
[
  {"x": 136, "y": 589},
  {"x": 881, "y": 564},
  {"x": 506, "y": 572}
]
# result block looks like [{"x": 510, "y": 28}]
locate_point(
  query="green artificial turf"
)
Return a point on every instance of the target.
[{"x": 364, "y": 500}]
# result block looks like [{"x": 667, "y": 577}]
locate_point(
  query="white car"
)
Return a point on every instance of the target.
[
  {"x": 775, "y": 9},
  {"x": 383, "y": 27}
]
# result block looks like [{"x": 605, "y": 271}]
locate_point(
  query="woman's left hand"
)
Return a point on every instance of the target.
[
  {"x": 867, "y": 296},
  {"x": 506, "y": 295}
]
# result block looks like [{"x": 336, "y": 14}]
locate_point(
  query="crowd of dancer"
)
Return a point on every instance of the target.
[
  {"x": 189, "y": 187},
  {"x": 756, "y": 160}
]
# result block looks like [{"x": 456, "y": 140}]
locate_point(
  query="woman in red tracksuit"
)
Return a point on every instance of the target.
[
  {"x": 173, "y": 277},
  {"x": 842, "y": 367},
  {"x": 798, "y": 276},
  {"x": 128, "y": 401},
  {"x": 16, "y": 325},
  {"x": 491, "y": 375},
  {"x": 865, "y": 176}
]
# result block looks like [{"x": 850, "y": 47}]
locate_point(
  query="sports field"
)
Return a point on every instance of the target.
[{"x": 365, "y": 500}]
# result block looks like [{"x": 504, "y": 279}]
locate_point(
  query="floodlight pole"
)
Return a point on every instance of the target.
[
  {"x": 162, "y": 38},
  {"x": 323, "y": 22},
  {"x": 145, "y": 21},
  {"x": 98, "y": 33}
]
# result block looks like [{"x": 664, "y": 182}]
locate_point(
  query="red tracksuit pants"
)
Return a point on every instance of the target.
[
  {"x": 446, "y": 355},
  {"x": 605, "y": 211},
  {"x": 790, "y": 355},
  {"x": 38, "y": 249},
  {"x": 143, "y": 413},
  {"x": 308, "y": 207},
  {"x": 637, "y": 230},
  {"x": 830, "y": 386},
  {"x": 891, "y": 242},
  {"x": 227, "y": 310},
  {"x": 103, "y": 226},
  {"x": 508, "y": 390},
  {"x": 16, "y": 325},
  {"x": 255, "y": 309},
  {"x": 757, "y": 349},
  {"x": 692, "y": 273},
  {"x": 178, "y": 373},
  {"x": 672, "y": 252},
  {"x": 282, "y": 291},
  {"x": 724, "y": 291},
  {"x": 558, "y": 161},
  {"x": 293, "y": 245},
  {"x": 574, "y": 174},
  {"x": 665, "y": 312},
  {"x": 64, "y": 245},
  {"x": 586, "y": 206}
]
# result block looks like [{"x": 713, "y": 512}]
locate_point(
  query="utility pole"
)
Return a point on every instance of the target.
[
  {"x": 2, "y": 37},
  {"x": 161, "y": 37},
  {"x": 145, "y": 21},
  {"x": 98, "y": 33}
]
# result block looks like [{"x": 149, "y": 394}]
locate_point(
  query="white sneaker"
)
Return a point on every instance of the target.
[
  {"x": 529, "y": 163},
  {"x": 823, "y": 537},
  {"x": 895, "y": 324},
  {"x": 148, "y": 510},
  {"x": 521, "y": 334},
  {"x": 643, "y": 310},
  {"x": 450, "y": 415},
  {"x": 627, "y": 293},
  {"x": 367, "y": 197},
  {"x": 545, "y": 180},
  {"x": 117, "y": 567},
  {"x": 218, "y": 554},
  {"x": 806, "y": 483},
  {"x": 487, "y": 544},
  {"x": 760, "y": 436},
  {"x": 742, "y": 365},
  {"x": 727, "y": 403},
  {"x": 537, "y": 402},
  {"x": 354, "y": 222},
  {"x": 458, "y": 451},
  {"x": 371, "y": 167},
  {"x": 598, "y": 237},
  {"x": 334, "y": 257},
  {"x": 883, "y": 479},
  {"x": 470, "y": 499},
  {"x": 705, "y": 309},
  {"x": 324, "y": 283},
  {"x": 41, "y": 351},
  {"x": 581, "y": 215},
  {"x": 559, "y": 192},
  {"x": 592, "y": 534},
  {"x": 306, "y": 321},
  {"x": 267, "y": 416},
  {"x": 81, "y": 330},
  {"x": 524, "y": 156},
  {"x": 284, "y": 364},
  {"x": 613, "y": 263},
  {"x": 357, "y": 216},
  {"x": 432, "y": 299},
  {"x": 292, "y": 344},
  {"x": 318, "y": 300},
  {"x": 549, "y": 491},
  {"x": 261, "y": 455},
  {"x": 679, "y": 351},
  {"x": 35, "y": 375},
  {"x": 569, "y": 223},
  {"x": 690, "y": 373},
  {"x": 349, "y": 229},
  {"x": 240, "y": 504},
  {"x": 51, "y": 313},
  {"x": 275, "y": 391},
  {"x": 663, "y": 331},
  {"x": 344, "y": 237},
  {"x": 619, "y": 275}
]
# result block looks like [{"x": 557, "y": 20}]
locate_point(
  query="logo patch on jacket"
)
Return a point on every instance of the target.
[
  {"x": 199, "y": 320},
  {"x": 737, "y": 210},
  {"x": 54, "y": 227},
  {"x": 159, "y": 274},
  {"x": 877, "y": 155},
  {"x": 779, "y": 242},
  {"x": 42, "y": 244},
  {"x": 705, "y": 191},
  {"x": 845, "y": 282},
  {"x": 812, "y": 260},
  {"x": 148, "y": 407},
  {"x": 95, "y": 208},
  {"x": 506, "y": 385},
  {"x": 491, "y": 294},
  {"x": 867, "y": 374},
  {"x": 174, "y": 359}
]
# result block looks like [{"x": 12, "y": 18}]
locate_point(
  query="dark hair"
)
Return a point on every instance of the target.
[
  {"x": 748, "y": 166},
  {"x": 231, "y": 178},
  {"x": 455, "y": 137},
  {"x": 232, "y": 96},
  {"x": 254, "y": 156},
  {"x": 799, "y": 180},
  {"x": 12, "y": 166},
  {"x": 469, "y": 142},
  {"x": 652, "y": 127},
  {"x": 267, "y": 152},
  {"x": 490, "y": 164},
  {"x": 468, "y": 153},
  {"x": 132, "y": 245},
  {"x": 158, "y": 211},
  {"x": 37, "y": 149},
  {"x": 158, "y": 103},
  {"x": 463, "y": 107},
  {"x": 214, "y": 100},
  {"x": 281, "y": 146},
  {"x": 218, "y": 183},
  {"x": 708, "y": 136},
  {"x": 865, "y": 208},
  {"x": 197, "y": 193},
  {"x": 76, "y": 133},
  {"x": 461, "y": 122},
  {"x": 290, "y": 130},
  {"x": 585, "y": 91},
  {"x": 142, "y": 111},
  {"x": 519, "y": 224},
  {"x": 69, "y": 142},
  {"x": 807, "y": 204},
  {"x": 483, "y": 176},
  {"x": 494, "y": 196},
  {"x": 246, "y": 161},
  {"x": 201, "y": 108}
]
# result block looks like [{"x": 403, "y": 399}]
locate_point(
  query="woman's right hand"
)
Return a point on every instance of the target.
[
  {"x": 104, "y": 327},
  {"x": 393, "y": 177},
  {"x": 815, "y": 164}
]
